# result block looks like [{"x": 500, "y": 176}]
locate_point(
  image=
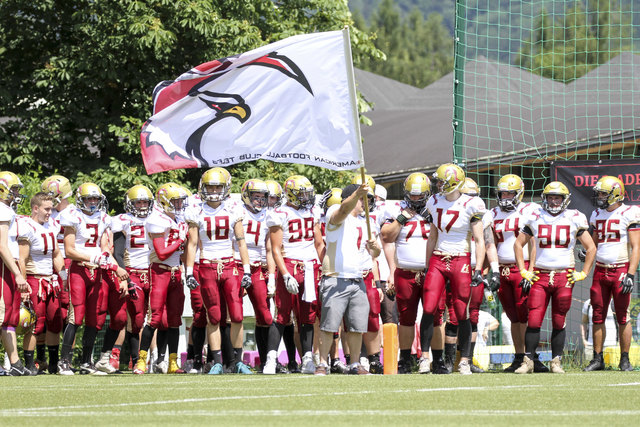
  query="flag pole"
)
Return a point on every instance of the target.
[{"x": 356, "y": 118}]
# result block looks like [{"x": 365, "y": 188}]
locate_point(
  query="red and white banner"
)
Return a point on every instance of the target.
[{"x": 289, "y": 101}]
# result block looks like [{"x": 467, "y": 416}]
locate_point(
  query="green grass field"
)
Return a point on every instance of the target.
[{"x": 576, "y": 398}]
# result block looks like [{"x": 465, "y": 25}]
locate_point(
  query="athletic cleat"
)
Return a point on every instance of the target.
[
  {"x": 161, "y": 367},
  {"x": 464, "y": 367},
  {"x": 596, "y": 364},
  {"x": 196, "y": 368},
  {"x": 308, "y": 367},
  {"x": 141, "y": 367},
  {"x": 89, "y": 369},
  {"x": 517, "y": 361},
  {"x": 43, "y": 366},
  {"x": 556, "y": 365},
  {"x": 114, "y": 358},
  {"x": 365, "y": 363},
  {"x": 172, "y": 367},
  {"x": 476, "y": 369},
  {"x": 64, "y": 367},
  {"x": 241, "y": 368},
  {"x": 448, "y": 363},
  {"x": 32, "y": 369},
  {"x": 104, "y": 364},
  {"x": 625, "y": 365},
  {"x": 321, "y": 370},
  {"x": 424, "y": 365},
  {"x": 292, "y": 368},
  {"x": 338, "y": 367},
  {"x": 404, "y": 367},
  {"x": 376, "y": 367},
  {"x": 357, "y": 369},
  {"x": 18, "y": 370},
  {"x": 439, "y": 368},
  {"x": 539, "y": 367},
  {"x": 216, "y": 369},
  {"x": 3, "y": 373},
  {"x": 188, "y": 366},
  {"x": 526, "y": 367},
  {"x": 270, "y": 365}
]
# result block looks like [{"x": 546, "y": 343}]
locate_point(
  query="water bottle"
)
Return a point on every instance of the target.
[{"x": 491, "y": 300}]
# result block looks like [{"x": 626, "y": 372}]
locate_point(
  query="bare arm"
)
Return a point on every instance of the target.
[
  {"x": 238, "y": 230},
  {"x": 275, "y": 235},
  {"x": 521, "y": 241},
  {"x": 192, "y": 245},
  {"x": 318, "y": 241},
  {"x": 634, "y": 256},
  {"x": 70, "y": 246},
  {"x": 477, "y": 231},
  {"x": 7, "y": 257},
  {"x": 589, "y": 245},
  {"x": 431, "y": 243}
]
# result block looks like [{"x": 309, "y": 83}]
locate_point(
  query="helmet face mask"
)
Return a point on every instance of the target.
[
  {"x": 172, "y": 198},
  {"x": 10, "y": 189},
  {"x": 138, "y": 201},
  {"x": 89, "y": 198},
  {"x": 555, "y": 198},
  {"x": 329, "y": 198},
  {"x": 608, "y": 191},
  {"x": 27, "y": 318},
  {"x": 215, "y": 185},
  {"x": 417, "y": 189},
  {"x": 255, "y": 194},
  {"x": 58, "y": 186},
  {"x": 449, "y": 178},
  {"x": 509, "y": 185},
  {"x": 300, "y": 193}
]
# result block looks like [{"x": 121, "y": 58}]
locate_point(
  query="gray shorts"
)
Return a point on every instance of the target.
[{"x": 344, "y": 298}]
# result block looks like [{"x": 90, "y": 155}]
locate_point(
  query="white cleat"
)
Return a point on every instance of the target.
[
  {"x": 308, "y": 367},
  {"x": 104, "y": 364},
  {"x": 269, "y": 367},
  {"x": 424, "y": 365},
  {"x": 464, "y": 368}
]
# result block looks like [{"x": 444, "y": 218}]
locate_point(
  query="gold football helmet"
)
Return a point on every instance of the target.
[
  {"x": 470, "y": 187},
  {"x": 27, "y": 319},
  {"x": 417, "y": 184},
  {"x": 331, "y": 197},
  {"x": 608, "y": 190},
  {"x": 10, "y": 186},
  {"x": 275, "y": 193},
  {"x": 89, "y": 198},
  {"x": 555, "y": 188},
  {"x": 357, "y": 179},
  {"x": 58, "y": 186},
  {"x": 218, "y": 177},
  {"x": 512, "y": 184},
  {"x": 138, "y": 193},
  {"x": 449, "y": 178},
  {"x": 299, "y": 191},
  {"x": 254, "y": 194},
  {"x": 172, "y": 197}
]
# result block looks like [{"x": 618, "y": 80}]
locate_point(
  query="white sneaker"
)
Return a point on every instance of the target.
[
  {"x": 104, "y": 364},
  {"x": 556, "y": 365},
  {"x": 424, "y": 365},
  {"x": 269, "y": 367},
  {"x": 364, "y": 362},
  {"x": 161, "y": 368},
  {"x": 316, "y": 359},
  {"x": 308, "y": 367},
  {"x": 464, "y": 368}
]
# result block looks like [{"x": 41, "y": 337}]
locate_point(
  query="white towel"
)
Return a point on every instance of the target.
[{"x": 309, "y": 294}]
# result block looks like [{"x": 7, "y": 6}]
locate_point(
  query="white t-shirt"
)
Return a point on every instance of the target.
[
  {"x": 136, "y": 249},
  {"x": 611, "y": 338},
  {"x": 612, "y": 229},
  {"x": 484, "y": 321},
  {"x": 411, "y": 243},
  {"x": 506, "y": 228},
  {"x": 42, "y": 242},
  {"x": 297, "y": 231},
  {"x": 453, "y": 220}
]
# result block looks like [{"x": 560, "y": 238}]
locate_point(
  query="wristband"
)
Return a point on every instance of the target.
[
  {"x": 246, "y": 268},
  {"x": 495, "y": 267},
  {"x": 402, "y": 220},
  {"x": 189, "y": 271}
]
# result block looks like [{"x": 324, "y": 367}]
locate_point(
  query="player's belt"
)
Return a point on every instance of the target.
[
  {"x": 299, "y": 263},
  {"x": 542, "y": 270},
  {"x": 168, "y": 267},
  {"x": 143, "y": 273},
  {"x": 611, "y": 266},
  {"x": 366, "y": 272},
  {"x": 451, "y": 254},
  {"x": 219, "y": 262},
  {"x": 419, "y": 274},
  {"x": 44, "y": 284}
]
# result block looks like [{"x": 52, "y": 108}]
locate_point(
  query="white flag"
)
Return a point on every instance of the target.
[{"x": 289, "y": 101}]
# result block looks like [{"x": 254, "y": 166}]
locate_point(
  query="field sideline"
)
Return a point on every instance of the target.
[{"x": 497, "y": 399}]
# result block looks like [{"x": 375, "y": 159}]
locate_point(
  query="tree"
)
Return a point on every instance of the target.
[{"x": 78, "y": 76}]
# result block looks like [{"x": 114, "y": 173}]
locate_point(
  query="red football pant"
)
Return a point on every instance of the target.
[
  {"x": 606, "y": 284},
  {"x": 137, "y": 309},
  {"x": 258, "y": 295},
  {"x": 374, "y": 303},
  {"x": 64, "y": 297},
  {"x": 409, "y": 290},
  {"x": 213, "y": 284},
  {"x": 305, "y": 312},
  {"x": 46, "y": 306},
  {"x": 166, "y": 297},
  {"x": 455, "y": 269},
  {"x": 9, "y": 299},
  {"x": 116, "y": 302},
  {"x": 87, "y": 296},
  {"x": 197, "y": 306},
  {"x": 552, "y": 286},
  {"x": 514, "y": 303}
]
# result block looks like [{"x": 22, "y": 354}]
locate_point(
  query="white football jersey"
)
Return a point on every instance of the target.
[
  {"x": 555, "y": 237},
  {"x": 88, "y": 228},
  {"x": 42, "y": 241},
  {"x": 612, "y": 229},
  {"x": 159, "y": 222},
  {"x": 215, "y": 228},
  {"x": 136, "y": 247},
  {"x": 411, "y": 243},
  {"x": 297, "y": 231},
  {"x": 453, "y": 220},
  {"x": 346, "y": 254},
  {"x": 506, "y": 227},
  {"x": 255, "y": 234},
  {"x": 16, "y": 228},
  {"x": 54, "y": 219}
]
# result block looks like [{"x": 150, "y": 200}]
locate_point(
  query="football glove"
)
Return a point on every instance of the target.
[
  {"x": 494, "y": 281},
  {"x": 291, "y": 284},
  {"x": 271, "y": 285},
  {"x": 582, "y": 254},
  {"x": 575, "y": 276},
  {"x": 191, "y": 282},
  {"x": 246, "y": 281},
  {"x": 55, "y": 285},
  {"x": 526, "y": 286},
  {"x": 529, "y": 275},
  {"x": 131, "y": 290},
  {"x": 477, "y": 279},
  {"x": 627, "y": 284}
]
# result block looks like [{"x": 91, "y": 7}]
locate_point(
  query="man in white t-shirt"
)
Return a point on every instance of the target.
[
  {"x": 343, "y": 292},
  {"x": 610, "y": 338}
]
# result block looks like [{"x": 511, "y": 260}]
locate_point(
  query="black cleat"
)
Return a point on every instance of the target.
[
  {"x": 438, "y": 368},
  {"x": 404, "y": 367},
  {"x": 517, "y": 361},
  {"x": 539, "y": 367},
  {"x": 293, "y": 367},
  {"x": 625, "y": 365},
  {"x": 596, "y": 364},
  {"x": 476, "y": 369},
  {"x": 448, "y": 363},
  {"x": 376, "y": 367},
  {"x": 18, "y": 370}
]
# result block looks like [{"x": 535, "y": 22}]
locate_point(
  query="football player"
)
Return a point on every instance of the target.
[
  {"x": 555, "y": 230},
  {"x": 506, "y": 220},
  {"x": 86, "y": 244},
  {"x": 39, "y": 254},
  {"x": 129, "y": 232},
  {"x": 616, "y": 233},
  {"x": 213, "y": 224},
  {"x": 456, "y": 218},
  {"x": 296, "y": 244},
  {"x": 408, "y": 228},
  {"x": 166, "y": 235},
  {"x": 13, "y": 281}
]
